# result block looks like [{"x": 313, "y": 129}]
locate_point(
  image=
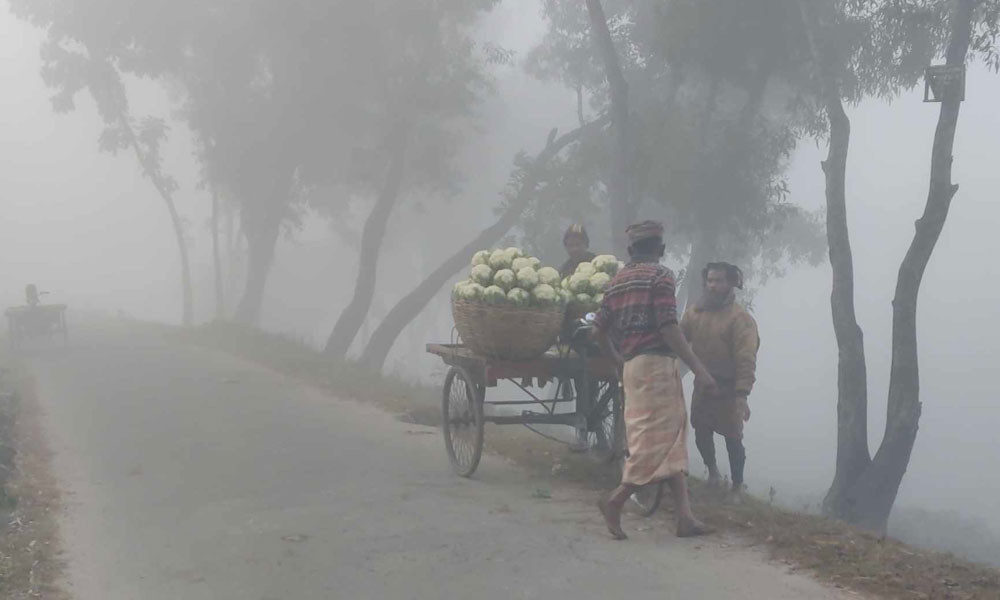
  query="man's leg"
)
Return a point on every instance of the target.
[
  {"x": 687, "y": 524},
  {"x": 705, "y": 440},
  {"x": 737, "y": 460},
  {"x": 611, "y": 508}
]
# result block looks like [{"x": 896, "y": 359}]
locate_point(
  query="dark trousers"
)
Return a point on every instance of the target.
[{"x": 705, "y": 440}]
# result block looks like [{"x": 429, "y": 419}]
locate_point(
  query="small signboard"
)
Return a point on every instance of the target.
[{"x": 942, "y": 80}]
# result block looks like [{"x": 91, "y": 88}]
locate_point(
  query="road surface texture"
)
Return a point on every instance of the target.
[{"x": 189, "y": 474}]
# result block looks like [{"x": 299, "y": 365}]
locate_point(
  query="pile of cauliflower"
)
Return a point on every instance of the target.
[
  {"x": 507, "y": 277},
  {"x": 591, "y": 279}
]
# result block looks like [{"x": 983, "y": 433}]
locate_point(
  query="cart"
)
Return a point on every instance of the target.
[
  {"x": 589, "y": 382},
  {"x": 36, "y": 320}
]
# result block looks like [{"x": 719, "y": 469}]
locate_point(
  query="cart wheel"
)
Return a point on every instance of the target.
[
  {"x": 648, "y": 498},
  {"x": 462, "y": 408},
  {"x": 604, "y": 437}
]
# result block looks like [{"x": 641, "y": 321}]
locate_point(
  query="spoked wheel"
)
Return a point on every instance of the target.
[
  {"x": 462, "y": 408},
  {"x": 648, "y": 498},
  {"x": 604, "y": 439}
]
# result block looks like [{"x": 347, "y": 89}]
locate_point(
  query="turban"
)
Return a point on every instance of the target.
[{"x": 643, "y": 231}]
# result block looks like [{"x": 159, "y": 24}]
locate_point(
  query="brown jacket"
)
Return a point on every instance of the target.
[{"x": 726, "y": 341}]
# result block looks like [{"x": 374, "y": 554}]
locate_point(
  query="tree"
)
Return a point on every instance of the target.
[
  {"x": 525, "y": 181},
  {"x": 712, "y": 124},
  {"x": 73, "y": 64},
  {"x": 621, "y": 205},
  {"x": 434, "y": 79},
  {"x": 895, "y": 39}
]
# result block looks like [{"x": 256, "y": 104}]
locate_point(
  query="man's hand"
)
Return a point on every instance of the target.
[
  {"x": 703, "y": 380},
  {"x": 743, "y": 407}
]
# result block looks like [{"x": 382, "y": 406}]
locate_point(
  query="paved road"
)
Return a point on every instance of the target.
[{"x": 190, "y": 474}]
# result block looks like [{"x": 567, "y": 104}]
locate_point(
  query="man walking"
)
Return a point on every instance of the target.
[
  {"x": 724, "y": 337},
  {"x": 637, "y": 323}
]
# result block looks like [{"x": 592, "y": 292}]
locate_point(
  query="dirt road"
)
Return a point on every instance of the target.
[{"x": 189, "y": 474}]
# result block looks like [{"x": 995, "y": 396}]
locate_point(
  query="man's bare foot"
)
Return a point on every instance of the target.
[
  {"x": 714, "y": 480},
  {"x": 612, "y": 519},
  {"x": 691, "y": 527}
]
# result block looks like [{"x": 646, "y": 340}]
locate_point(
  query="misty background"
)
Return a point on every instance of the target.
[{"x": 87, "y": 227}]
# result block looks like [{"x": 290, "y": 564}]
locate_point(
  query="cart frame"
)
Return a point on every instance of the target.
[{"x": 26, "y": 322}]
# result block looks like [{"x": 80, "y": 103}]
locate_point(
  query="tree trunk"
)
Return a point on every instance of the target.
[
  {"x": 262, "y": 238},
  {"x": 874, "y": 493},
  {"x": 853, "y": 455},
  {"x": 621, "y": 205},
  {"x": 220, "y": 303},
  {"x": 187, "y": 293},
  {"x": 413, "y": 303},
  {"x": 353, "y": 316}
]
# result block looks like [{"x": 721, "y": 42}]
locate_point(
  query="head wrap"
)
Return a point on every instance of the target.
[
  {"x": 644, "y": 231},
  {"x": 576, "y": 231}
]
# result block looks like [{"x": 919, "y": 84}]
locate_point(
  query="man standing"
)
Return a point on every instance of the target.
[
  {"x": 724, "y": 337},
  {"x": 577, "y": 245},
  {"x": 637, "y": 323}
]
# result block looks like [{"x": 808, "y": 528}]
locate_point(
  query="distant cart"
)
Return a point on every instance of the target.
[
  {"x": 470, "y": 375},
  {"x": 36, "y": 320}
]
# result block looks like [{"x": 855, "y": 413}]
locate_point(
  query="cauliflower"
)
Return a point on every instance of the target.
[
  {"x": 599, "y": 282},
  {"x": 527, "y": 278},
  {"x": 494, "y": 295},
  {"x": 500, "y": 260},
  {"x": 584, "y": 300},
  {"x": 505, "y": 279},
  {"x": 544, "y": 294},
  {"x": 579, "y": 283},
  {"x": 585, "y": 268},
  {"x": 481, "y": 258},
  {"x": 520, "y": 263},
  {"x": 535, "y": 263},
  {"x": 599, "y": 299},
  {"x": 606, "y": 263},
  {"x": 472, "y": 292},
  {"x": 548, "y": 276},
  {"x": 482, "y": 275},
  {"x": 514, "y": 252},
  {"x": 518, "y": 297}
]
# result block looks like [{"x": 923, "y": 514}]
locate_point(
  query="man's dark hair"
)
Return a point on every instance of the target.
[
  {"x": 734, "y": 275},
  {"x": 647, "y": 246}
]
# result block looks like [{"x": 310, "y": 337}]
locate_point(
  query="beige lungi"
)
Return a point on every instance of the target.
[{"x": 655, "y": 420}]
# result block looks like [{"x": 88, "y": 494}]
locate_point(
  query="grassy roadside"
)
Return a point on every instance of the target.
[
  {"x": 29, "y": 497},
  {"x": 831, "y": 551}
]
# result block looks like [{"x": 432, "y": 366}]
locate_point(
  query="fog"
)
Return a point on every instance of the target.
[{"x": 90, "y": 229}]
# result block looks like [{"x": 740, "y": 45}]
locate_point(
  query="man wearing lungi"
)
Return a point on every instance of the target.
[
  {"x": 724, "y": 337},
  {"x": 637, "y": 323}
]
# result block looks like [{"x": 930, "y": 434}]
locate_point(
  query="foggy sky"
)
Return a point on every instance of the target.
[{"x": 88, "y": 228}]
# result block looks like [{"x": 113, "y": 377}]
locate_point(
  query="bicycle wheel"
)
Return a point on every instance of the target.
[{"x": 462, "y": 419}]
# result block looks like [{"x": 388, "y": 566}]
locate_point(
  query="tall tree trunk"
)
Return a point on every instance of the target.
[
  {"x": 262, "y": 238},
  {"x": 853, "y": 455},
  {"x": 874, "y": 493},
  {"x": 353, "y": 316},
  {"x": 621, "y": 205},
  {"x": 187, "y": 293},
  {"x": 220, "y": 303},
  {"x": 407, "y": 309}
]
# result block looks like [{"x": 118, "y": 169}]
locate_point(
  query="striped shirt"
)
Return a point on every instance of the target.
[{"x": 637, "y": 305}]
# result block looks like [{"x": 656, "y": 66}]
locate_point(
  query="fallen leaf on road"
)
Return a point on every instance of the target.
[
  {"x": 541, "y": 494},
  {"x": 297, "y": 538}
]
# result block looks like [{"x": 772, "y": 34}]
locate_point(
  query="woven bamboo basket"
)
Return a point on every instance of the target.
[{"x": 507, "y": 332}]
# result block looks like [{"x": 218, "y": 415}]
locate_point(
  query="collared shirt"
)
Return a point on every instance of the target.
[{"x": 637, "y": 305}]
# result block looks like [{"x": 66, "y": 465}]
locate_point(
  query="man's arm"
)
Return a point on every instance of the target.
[
  {"x": 746, "y": 342},
  {"x": 604, "y": 341},
  {"x": 674, "y": 337}
]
